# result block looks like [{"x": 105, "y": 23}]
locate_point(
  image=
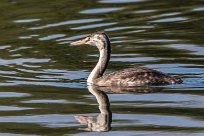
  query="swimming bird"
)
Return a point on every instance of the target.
[{"x": 138, "y": 76}]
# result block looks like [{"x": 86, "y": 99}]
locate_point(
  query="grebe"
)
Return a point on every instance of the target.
[{"x": 139, "y": 76}]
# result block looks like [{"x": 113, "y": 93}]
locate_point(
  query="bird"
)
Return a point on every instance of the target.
[{"x": 136, "y": 76}]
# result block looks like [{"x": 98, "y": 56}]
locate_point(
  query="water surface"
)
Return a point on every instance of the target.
[{"x": 43, "y": 79}]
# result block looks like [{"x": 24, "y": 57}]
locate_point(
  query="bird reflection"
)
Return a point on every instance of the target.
[{"x": 102, "y": 122}]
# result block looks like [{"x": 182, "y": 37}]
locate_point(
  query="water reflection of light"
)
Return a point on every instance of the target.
[
  {"x": 173, "y": 19},
  {"x": 20, "y": 61},
  {"x": 119, "y": 28},
  {"x": 26, "y": 20},
  {"x": 199, "y": 9},
  {"x": 120, "y": 1},
  {"x": 72, "y": 37},
  {"x": 13, "y": 94},
  {"x": 166, "y": 14},
  {"x": 144, "y": 11},
  {"x": 138, "y": 59},
  {"x": 99, "y": 10},
  {"x": 4, "y": 47},
  {"x": 157, "y": 120},
  {"x": 93, "y": 26},
  {"x": 194, "y": 49},
  {"x": 14, "y": 108},
  {"x": 80, "y": 21},
  {"x": 51, "y": 37}
]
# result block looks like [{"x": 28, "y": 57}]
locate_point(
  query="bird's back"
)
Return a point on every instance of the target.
[{"x": 139, "y": 76}]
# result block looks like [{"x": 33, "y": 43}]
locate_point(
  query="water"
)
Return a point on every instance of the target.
[{"x": 43, "y": 80}]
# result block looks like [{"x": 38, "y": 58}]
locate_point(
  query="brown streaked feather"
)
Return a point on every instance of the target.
[{"x": 136, "y": 77}]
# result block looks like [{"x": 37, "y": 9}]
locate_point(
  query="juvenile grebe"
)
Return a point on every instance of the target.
[{"x": 139, "y": 76}]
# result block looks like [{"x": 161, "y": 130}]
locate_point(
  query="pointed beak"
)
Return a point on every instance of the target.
[{"x": 80, "y": 42}]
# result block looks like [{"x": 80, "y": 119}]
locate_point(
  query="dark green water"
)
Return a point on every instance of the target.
[{"x": 43, "y": 80}]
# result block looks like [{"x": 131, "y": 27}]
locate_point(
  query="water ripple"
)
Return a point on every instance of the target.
[
  {"x": 166, "y": 14},
  {"x": 120, "y": 1},
  {"x": 2, "y": 47},
  {"x": 160, "y": 120},
  {"x": 93, "y": 26},
  {"x": 20, "y": 48},
  {"x": 10, "y": 134},
  {"x": 138, "y": 59},
  {"x": 189, "y": 47},
  {"x": 119, "y": 28},
  {"x": 72, "y": 37},
  {"x": 13, "y": 94},
  {"x": 21, "y": 61},
  {"x": 13, "y": 108},
  {"x": 100, "y": 10},
  {"x": 47, "y": 101},
  {"x": 80, "y": 21},
  {"x": 49, "y": 120},
  {"x": 199, "y": 9},
  {"x": 43, "y": 84},
  {"x": 51, "y": 37},
  {"x": 172, "y": 19},
  {"x": 26, "y": 20}
]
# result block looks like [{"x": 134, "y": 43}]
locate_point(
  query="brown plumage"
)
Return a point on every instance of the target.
[{"x": 139, "y": 76}]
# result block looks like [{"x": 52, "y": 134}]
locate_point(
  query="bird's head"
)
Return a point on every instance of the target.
[{"x": 98, "y": 39}]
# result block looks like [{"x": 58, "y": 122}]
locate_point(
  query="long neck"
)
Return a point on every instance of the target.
[{"x": 102, "y": 64}]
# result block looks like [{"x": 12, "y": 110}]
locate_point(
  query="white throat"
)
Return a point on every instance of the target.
[{"x": 102, "y": 64}]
